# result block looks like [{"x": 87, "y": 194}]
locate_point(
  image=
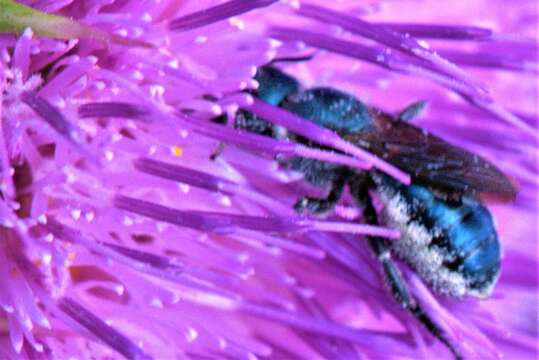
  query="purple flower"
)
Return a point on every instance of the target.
[{"x": 120, "y": 237}]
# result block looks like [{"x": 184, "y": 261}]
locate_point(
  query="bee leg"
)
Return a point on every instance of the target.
[
  {"x": 380, "y": 247},
  {"x": 223, "y": 120},
  {"x": 320, "y": 206},
  {"x": 412, "y": 111},
  {"x": 402, "y": 295},
  {"x": 217, "y": 151}
]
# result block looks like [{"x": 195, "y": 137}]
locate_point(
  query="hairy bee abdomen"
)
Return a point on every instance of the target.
[{"x": 453, "y": 246}]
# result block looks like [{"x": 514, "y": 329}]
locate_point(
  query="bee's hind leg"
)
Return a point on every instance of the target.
[{"x": 380, "y": 247}]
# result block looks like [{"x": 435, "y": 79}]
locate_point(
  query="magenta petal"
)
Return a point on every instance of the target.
[
  {"x": 217, "y": 13},
  {"x": 184, "y": 175},
  {"x": 52, "y": 116},
  {"x": 435, "y": 31},
  {"x": 113, "y": 109},
  {"x": 395, "y": 40},
  {"x": 101, "y": 330}
]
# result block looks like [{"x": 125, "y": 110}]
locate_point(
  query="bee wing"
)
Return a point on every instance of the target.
[{"x": 433, "y": 162}]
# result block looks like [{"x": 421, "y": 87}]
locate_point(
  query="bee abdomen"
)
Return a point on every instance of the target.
[
  {"x": 453, "y": 247},
  {"x": 474, "y": 243}
]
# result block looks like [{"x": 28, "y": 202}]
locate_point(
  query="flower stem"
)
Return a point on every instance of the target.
[{"x": 15, "y": 18}]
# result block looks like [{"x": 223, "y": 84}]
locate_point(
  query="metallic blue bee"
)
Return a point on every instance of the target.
[{"x": 448, "y": 236}]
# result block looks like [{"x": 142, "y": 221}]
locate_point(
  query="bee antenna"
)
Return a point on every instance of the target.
[{"x": 307, "y": 57}]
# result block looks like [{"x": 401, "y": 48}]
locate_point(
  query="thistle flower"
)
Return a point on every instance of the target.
[{"x": 120, "y": 237}]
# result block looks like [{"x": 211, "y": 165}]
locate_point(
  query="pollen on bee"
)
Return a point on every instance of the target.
[{"x": 176, "y": 150}]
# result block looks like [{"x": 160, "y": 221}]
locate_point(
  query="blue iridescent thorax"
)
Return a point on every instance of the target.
[
  {"x": 453, "y": 246},
  {"x": 331, "y": 108}
]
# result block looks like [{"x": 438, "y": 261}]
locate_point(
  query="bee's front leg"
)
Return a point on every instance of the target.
[
  {"x": 217, "y": 151},
  {"x": 321, "y": 206}
]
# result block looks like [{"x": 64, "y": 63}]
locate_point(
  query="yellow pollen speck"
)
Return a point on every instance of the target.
[
  {"x": 71, "y": 256},
  {"x": 177, "y": 151}
]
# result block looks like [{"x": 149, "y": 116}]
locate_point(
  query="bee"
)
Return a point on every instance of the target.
[{"x": 447, "y": 235}]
